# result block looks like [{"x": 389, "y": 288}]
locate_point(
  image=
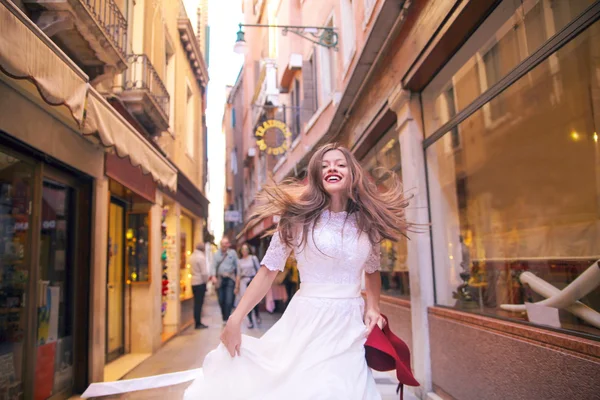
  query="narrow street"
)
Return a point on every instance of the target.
[{"x": 187, "y": 350}]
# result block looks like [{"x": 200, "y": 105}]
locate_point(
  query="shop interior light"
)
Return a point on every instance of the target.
[
  {"x": 596, "y": 137},
  {"x": 574, "y": 135}
]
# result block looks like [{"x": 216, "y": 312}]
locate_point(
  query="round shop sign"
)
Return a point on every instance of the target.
[{"x": 273, "y": 137}]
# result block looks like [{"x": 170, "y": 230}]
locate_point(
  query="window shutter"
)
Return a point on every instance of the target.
[{"x": 309, "y": 105}]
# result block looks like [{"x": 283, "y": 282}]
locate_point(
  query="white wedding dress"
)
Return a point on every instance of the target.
[{"x": 316, "y": 349}]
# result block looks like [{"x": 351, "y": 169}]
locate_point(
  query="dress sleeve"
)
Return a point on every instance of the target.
[
  {"x": 373, "y": 263},
  {"x": 277, "y": 254}
]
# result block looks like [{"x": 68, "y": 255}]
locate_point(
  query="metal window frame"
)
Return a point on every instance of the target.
[
  {"x": 578, "y": 25},
  {"x": 552, "y": 45}
]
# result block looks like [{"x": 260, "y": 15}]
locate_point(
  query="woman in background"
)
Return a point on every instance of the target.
[{"x": 248, "y": 266}]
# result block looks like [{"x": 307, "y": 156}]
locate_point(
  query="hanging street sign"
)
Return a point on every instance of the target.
[
  {"x": 273, "y": 137},
  {"x": 233, "y": 216}
]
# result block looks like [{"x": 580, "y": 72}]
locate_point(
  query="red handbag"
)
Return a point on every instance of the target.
[{"x": 385, "y": 352}]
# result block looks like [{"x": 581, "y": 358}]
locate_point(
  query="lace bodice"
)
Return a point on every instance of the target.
[{"x": 337, "y": 253}]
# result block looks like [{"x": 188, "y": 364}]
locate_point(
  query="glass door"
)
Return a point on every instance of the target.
[
  {"x": 54, "y": 350},
  {"x": 16, "y": 183},
  {"x": 115, "y": 288}
]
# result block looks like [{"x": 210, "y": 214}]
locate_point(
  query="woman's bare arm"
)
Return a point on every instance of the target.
[
  {"x": 258, "y": 288},
  {"x": 373, "y": 289}
]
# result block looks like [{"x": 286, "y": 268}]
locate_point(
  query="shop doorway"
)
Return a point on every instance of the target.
[
  {"x": 62, "y": 288},
  {"x": 115, "y": 281}
]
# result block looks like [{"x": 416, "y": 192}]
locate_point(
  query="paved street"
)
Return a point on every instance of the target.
[{"x": 187, "y": 350}]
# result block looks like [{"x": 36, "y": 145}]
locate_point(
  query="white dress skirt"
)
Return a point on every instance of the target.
[{"x": 316, "y": 350}]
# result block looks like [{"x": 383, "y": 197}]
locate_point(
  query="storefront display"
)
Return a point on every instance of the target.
[
  {"x": 164, "y": 261},
  {"x": 383, "y": 158},
  {"x": 15, "y": 196},
  {"x": 514, "y": 186},
  {"x": 138, "y": 247},
  {"x": 187, "y": 247}
]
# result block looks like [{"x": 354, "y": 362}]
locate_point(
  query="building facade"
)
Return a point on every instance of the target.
[
  {"x": 488, "y": 113},
  {"x": 234, "y": 160},
  {"x": 103, "y": 142}
]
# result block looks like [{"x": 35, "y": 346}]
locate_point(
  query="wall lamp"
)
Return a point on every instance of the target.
[{"x": 321, "y": 35}]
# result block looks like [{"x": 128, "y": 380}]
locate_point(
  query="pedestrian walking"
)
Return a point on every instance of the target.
[
  {"x": 223, "y": 274},
  {"x": 199, "y": 279},
  {"x": 333, "y": 225},
  {"x": 248, "y": 266}
]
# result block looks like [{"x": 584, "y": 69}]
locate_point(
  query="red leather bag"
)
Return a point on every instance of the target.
[{"x": 386, "y": 352}]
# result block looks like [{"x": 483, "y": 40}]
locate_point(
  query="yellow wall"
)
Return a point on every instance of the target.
[{"x": 159, "y": 19}]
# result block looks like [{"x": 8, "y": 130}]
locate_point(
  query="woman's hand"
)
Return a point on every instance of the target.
[
  {"x": 231, "y": 337},
  {"x": 236, "y": 290},
  {"x": 372, "y": 317}
]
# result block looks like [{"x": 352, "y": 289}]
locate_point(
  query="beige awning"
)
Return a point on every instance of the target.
[
  {"x": 27, "y": 53},
  {"x": 103, "y": 122}
]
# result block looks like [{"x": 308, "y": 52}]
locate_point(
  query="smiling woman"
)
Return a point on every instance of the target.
[{"x": 333, "y": 226}]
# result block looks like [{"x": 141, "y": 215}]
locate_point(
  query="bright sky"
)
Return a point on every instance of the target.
[{"x": 223, "y": 18}]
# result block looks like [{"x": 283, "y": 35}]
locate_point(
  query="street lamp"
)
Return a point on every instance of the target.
[
  {"x": 240, "y": 46},
  {"x": 325, "y": 36}
]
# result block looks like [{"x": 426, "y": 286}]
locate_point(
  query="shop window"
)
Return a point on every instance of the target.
[
  {"x": 16, "y": 181},
  {"x": 516, "y": 218},
  {"x": 186, "y": 248},
  {"x": 138, "y": 247},
  {"x": 385, "y": 157},
  {"x": 513, "y": 32}
]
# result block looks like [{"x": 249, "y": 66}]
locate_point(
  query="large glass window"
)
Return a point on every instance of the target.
[
  {"x": 515, "y": 188},
  {"x": 385, "y": 157},
  {"x": 513, "y": 32},
  {"x": 15, "y": 235}
]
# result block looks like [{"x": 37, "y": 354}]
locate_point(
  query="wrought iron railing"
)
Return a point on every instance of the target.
[
  {"x": 111, "y": 19},
  {"x": 141, "y": 75}
]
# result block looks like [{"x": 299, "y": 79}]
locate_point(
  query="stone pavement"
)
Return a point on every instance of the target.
[{"x": 188, "y": 349}]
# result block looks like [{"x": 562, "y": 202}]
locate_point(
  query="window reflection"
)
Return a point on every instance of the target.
[
  {"x": 385, "y": 157},
  {"x": 519, "y": 203},
  {"x": 516, "y": 30}
]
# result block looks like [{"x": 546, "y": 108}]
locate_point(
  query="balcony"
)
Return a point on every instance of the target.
[
  {"x": 92, "y": 32},
  {"x": 145, "y": 95}
]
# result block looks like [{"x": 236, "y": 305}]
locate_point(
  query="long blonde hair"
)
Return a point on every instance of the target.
[{"x": 379, "y": 214}]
